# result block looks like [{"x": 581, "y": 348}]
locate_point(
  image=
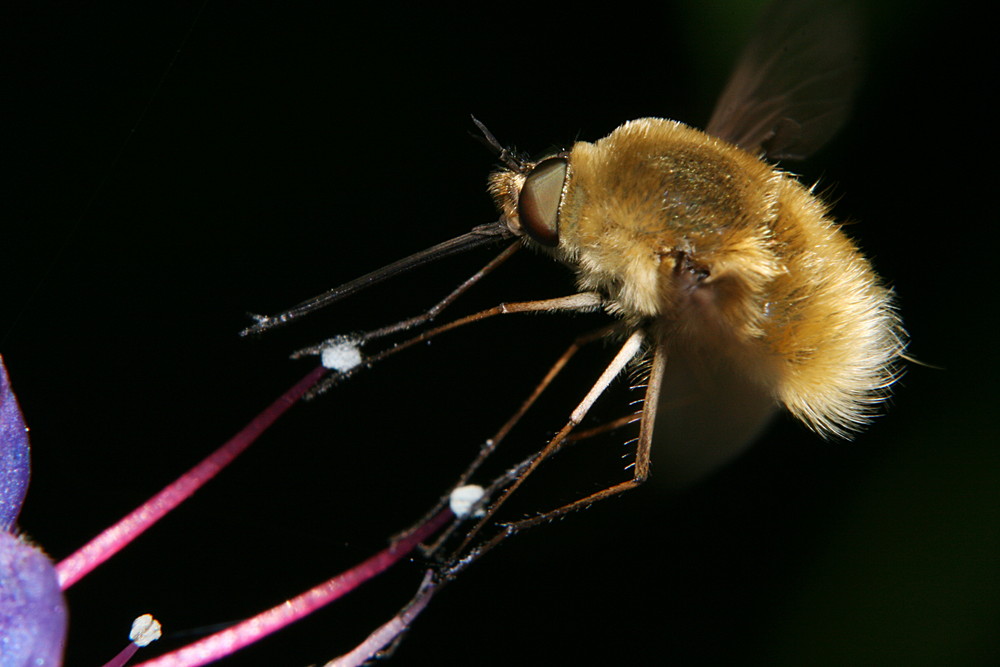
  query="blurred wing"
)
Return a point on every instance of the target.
[
  {"x": 708, "y": 414},
  {"x": 794, "y": 82}
]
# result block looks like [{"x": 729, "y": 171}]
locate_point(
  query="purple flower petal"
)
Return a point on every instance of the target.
[
  {"x": 15, "y": 462},
  {"x": 32, "y": 608}
]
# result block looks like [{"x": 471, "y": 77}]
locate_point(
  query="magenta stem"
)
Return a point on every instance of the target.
[
  {"x": 389, "y": 632},
  {"x": 247, "y": 632},
  {"x": 123, "y": 656},
  {"x": 113, "y": 539}
]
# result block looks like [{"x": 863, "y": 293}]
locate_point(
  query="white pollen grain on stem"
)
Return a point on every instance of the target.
[
  {"x": 341, "y": 354},
  {"x": 145, "y": 630},
  {"x": 464, "y": 498}
]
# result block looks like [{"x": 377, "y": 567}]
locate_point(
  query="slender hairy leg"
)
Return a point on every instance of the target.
[
  {"x": 580, "y": 302},
  {"x": 492, "y": 443},
  {"x": 626, "y": 354},
  {"x": 603, "y": 428},
  {"x": 435, "y": 310},
  {"x": 390, "y": 633},
  {"x": 640, "y": 470}
]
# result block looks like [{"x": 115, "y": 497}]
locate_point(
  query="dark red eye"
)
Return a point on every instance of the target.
[{"x": 538, "y": 203}]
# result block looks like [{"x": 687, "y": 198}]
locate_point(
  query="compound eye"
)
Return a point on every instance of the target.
[{"x": 538, "y": 203}]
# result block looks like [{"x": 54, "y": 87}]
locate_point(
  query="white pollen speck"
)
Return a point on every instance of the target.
[
  {"x": 145, "y": 630},
  {"x": 464, "y": 497},
  {"x": 341, "y": 354}
]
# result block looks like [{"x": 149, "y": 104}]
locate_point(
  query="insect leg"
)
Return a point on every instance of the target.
[
  {"x": 603, "y": 428},
  {"x": 492, "y": 443},
  {"x": 629, "y": 351},
  {"x": 580, "y": 302},
  {"x": 435, "y": 310},
  {"x": 640, "y": 469}
]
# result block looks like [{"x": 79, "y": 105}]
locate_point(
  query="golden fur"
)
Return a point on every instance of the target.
[{"x": 723, "y": 257}]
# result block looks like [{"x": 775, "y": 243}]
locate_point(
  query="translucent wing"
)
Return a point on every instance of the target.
[{"x": 794, "y": 82}]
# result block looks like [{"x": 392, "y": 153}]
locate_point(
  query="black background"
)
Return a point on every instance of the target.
[{"x": 169, "y": 167}]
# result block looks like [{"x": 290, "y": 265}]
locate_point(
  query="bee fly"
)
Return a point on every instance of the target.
[{"x": 723, "y": 269}]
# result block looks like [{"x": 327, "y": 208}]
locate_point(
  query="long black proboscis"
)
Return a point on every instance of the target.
[{"x": 477, "y": 236}]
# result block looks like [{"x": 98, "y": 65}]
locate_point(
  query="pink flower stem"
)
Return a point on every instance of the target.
[
  {"x": 389, "y": 632},
  {"x": 123, "y": 656},
  {"x": 111, "y": 540},
  {"x": 247, "y": 632}
]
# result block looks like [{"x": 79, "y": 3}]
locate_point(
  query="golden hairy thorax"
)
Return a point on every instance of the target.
[{"x": 725, "y": 258}]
